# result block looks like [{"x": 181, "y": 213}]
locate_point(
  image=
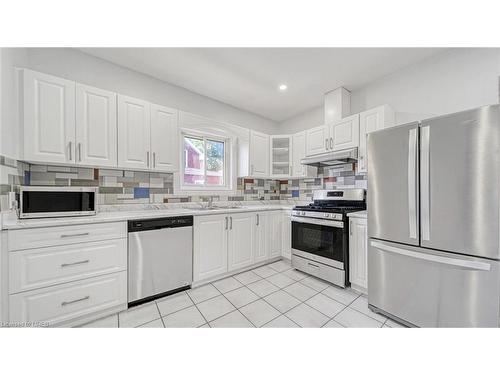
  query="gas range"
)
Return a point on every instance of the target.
[
  {"x": 320, "y": 234},
  {"x": 333, "y": 204}
]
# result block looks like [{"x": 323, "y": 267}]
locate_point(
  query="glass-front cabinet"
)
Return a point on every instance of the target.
[{"x": 281, "y": 155}]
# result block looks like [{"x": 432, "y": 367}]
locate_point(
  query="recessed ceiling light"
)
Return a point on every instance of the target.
[{"x": 283, "y": 87}]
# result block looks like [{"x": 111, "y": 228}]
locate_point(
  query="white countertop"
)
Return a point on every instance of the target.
[
  {"x": 358, "y": 214},
  {"x": 10, "y": 220}
]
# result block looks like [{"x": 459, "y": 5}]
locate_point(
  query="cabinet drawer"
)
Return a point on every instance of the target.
[
  {"x": 31, "y": 269},
  {"x": 41, "y": 237},
  {"x": 319, "y": 270},
  {"x": 56, "y": 305}
]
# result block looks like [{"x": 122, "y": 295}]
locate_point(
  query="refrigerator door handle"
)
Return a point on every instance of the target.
[
  {"x": 412, "y": 183},
  {"x": 468, "y": 264},
  {"x": 425, "y": 182}
]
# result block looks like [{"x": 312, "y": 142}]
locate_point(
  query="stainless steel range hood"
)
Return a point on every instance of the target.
[{"x": 332, "y": 158}]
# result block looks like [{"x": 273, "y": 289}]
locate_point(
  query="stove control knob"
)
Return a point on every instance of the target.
[
  {"x": 326, "y": 215},
  {"x": 303, "y": 213}
]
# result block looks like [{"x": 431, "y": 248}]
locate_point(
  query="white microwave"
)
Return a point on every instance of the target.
[{"x": 57, "y": 201}]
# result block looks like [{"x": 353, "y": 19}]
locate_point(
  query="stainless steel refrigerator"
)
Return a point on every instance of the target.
[{"x": 433, "y": 220}]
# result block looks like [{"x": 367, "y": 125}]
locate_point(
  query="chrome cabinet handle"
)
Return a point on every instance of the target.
[
  {"x": 230, "y": 223},
  {"x": 147, "y": 159},
  {"x": 74, "y": 235},
  {"x": 70, "y": 150},
  {"x": 258, "y": 219},
  {"x": 251, "y": 170},
  {"x": 331, "y": 143},
  {"x": 350, "y": 228},
  {"x": 154, "y": 159},
  {"x": 290, "y": 172},
  {"x": 75, "y": 263},
  {"x": 326, "y": 144},
  {"x": 313, "y": 265},
  {"x": 226, "y": 224},
  {"x": 75, "y": 301},
  {"x": 79, "y": 151}
]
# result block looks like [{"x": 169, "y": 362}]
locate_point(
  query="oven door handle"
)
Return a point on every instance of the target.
[{"x": 325, "y": 223}]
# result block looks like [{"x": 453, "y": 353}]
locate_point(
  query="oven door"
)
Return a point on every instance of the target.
[{"x": 322, "y": 240}]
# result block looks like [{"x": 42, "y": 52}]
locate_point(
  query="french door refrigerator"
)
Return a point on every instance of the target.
[{"x": 433, "y": 220}]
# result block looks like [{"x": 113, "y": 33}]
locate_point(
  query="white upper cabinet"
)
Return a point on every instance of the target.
[
  {"x": 95, "y": 126},
  {"x": 344, "y": 133},
  {"x": 48, "y": 117},
  {"x": 317, "y": 140},
  {"x": 133, "y": 133},
  {"x": 259, "y": 154},
  {"x": 370, "y": 121},
  {"x": 281, "y": 155},
  {"x": 299, "y": 153},
  {"x": 164, "y": 145}
]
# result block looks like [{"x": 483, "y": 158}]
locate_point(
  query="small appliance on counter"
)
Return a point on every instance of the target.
[
  {"x": 56, "y": 201},
  {"x": 320, "y": 234}
]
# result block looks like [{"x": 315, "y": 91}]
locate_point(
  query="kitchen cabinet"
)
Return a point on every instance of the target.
[
  {"x": 47, "y": 115},
  {"x": 96, "y": 142},
  {"x": 299, "y": 153},
  {"x": 358, "y": 256},
  {"x": 281, "y": 155},
  {"x": 240, "y": 241},
  {"x": 67, "y": 275},
  {"x": 274, "y": 226},
  {"x": 210, "y": 246},
  {"x": 164, "y": 145},
  {"x": 259, "y": 154},
  {"x": 286, "y": 239},
  {"x": 344, "y": 133},
  {"x": 133, "y": 133},
  {"x": 369, "y": 121},
  {"x": 317, "y": 140},
  {"x": 260, "y": 237}
]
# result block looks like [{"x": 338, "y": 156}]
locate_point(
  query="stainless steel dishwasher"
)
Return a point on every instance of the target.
[{"x": 160, "y": 257}]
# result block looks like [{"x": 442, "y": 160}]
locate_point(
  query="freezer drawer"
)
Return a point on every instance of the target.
[{"x": 429, "y": 288}]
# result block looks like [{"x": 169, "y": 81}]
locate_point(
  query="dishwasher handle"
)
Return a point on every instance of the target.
[{"x": 160, "y": 223}]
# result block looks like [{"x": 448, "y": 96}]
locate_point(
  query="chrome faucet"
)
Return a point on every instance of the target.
[{"x": 210, "y": 201}]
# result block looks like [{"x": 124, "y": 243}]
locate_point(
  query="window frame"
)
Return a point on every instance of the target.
[{"x": 226, "y": 172}]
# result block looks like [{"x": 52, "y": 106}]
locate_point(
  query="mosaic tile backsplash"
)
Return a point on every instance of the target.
[{"x": 125, "y": 187}]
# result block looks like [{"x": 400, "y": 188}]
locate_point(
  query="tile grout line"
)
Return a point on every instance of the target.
[
  {"x": 203, "y": 316},
  {"x": 235, "y": 309},
  {"x": 159, "y": 312}
]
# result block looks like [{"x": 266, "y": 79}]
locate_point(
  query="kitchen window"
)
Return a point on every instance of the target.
[{"x": 205, "y": 162}]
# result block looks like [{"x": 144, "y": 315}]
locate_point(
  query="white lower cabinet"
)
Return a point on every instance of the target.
[
  {"x": 358, "y": 257},
  {"x": 240, "y": 241},
  {"x": 286, "y": 235},
  {"x": 59, "y": 304},
  {"x": 260, "y": 237},
  {"x": 275, "y": 233},
  {"x": 210, "y": 246},
  {"x": 70, "y": 274},
  {"x": 225, "y": 243}
]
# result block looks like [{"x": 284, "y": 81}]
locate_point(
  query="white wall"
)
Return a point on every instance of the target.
[
  {"x": 454, "y": 80},
  {"x": 76, "y": 65}
]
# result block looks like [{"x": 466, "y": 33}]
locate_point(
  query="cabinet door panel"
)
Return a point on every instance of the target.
[
  {"x": 358, "y": 241},
  {"x": 164, "y": 144},
  {"x": 48, "y": 118},
  {"x": 280, "y": 154},
  {"x": 261, "y": 247},
  {"x": 369, "y": 121},
  {"x": 345, "y": 133},
  {"x": 259, "y": 154},
  {"x": 317, "y": 140},
  {"x": 287, "y": 235},
  {"x": 275, "y": 234},
  {"x": 96, "y": 132},
  {"x": 240, "y": 245},
  {"x": 210, "y": 246},
  {"x": 133, "y": 133}
]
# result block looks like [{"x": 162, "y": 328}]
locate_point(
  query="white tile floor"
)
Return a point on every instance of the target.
[{"x": 270, "y": 296}]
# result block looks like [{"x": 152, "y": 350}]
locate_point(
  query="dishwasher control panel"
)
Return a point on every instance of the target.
[{"x": 164, "y": 222}]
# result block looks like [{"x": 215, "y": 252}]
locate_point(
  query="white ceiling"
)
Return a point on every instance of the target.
[{"x": 248, "y": 78}]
